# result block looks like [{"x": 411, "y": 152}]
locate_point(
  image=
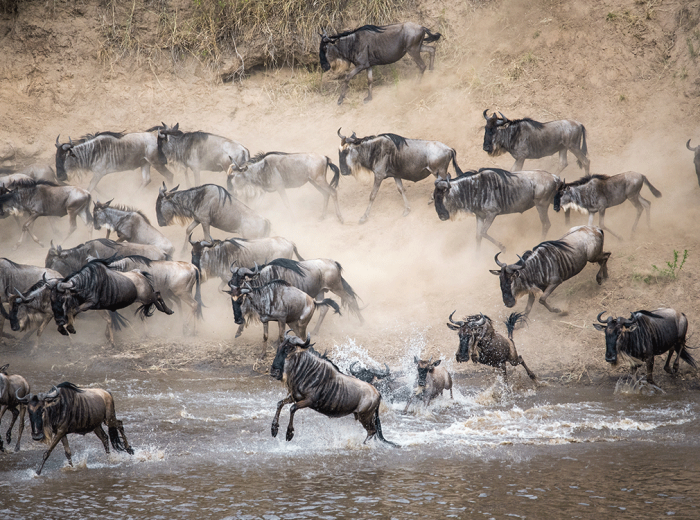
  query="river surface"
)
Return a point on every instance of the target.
[{"x": 203, "y": 449}]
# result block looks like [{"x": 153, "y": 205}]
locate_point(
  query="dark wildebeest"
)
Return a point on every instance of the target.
[
  {"x": 211, "y": 206},
  {"x": 217, "y": 257},
  {"x": 12, "y": 387},
  {"x": 491, "y": 192},
  {"x": 371, "y": 45},
  {"x": 46, "y": 199},
  {"x": 390, "y": 384},
  {"x": 275, "y": 301},
  {"x": 596, "y": 193},
  {"x": 67, "y": 261},
  {"x": 69, "y": 409},
  {"x": 528, "y": 139},
  {"x": 131, "y": 225},
  {"x": 479, "y": 342},
  {"x": 644, "y": 335},
  {"x": 314, "y": 277},
  {"x": 278, "y": 171},
  {"x": 96, "y": 287},
  {"x": 390, "y": 155},
  {"x": 171, "y": 279},
  {"x": 696, "y": 159},
  {"x": 18, "y": 277},
  {"x": 111, "y": 152},
  {"x": 31, "y": 309},
  {"x": 551, "y": 263},
  {"x": 432, "y": 381},
  {"x": 313, "y": 381},
  {"x": 199, "y": 151}
]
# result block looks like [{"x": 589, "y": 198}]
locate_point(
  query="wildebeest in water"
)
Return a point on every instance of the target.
[
  {"x": 12, "y": 389},
  {"x": 432, "y": 381},
  {"x": 69, "y": 409},
  {"x": 313, "y": 381},
  {"x": 646, "y": 334},
  {"x": 373, "y": 45}
]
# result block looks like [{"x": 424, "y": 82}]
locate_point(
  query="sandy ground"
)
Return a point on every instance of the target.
[{"x": 546, "y": 61}]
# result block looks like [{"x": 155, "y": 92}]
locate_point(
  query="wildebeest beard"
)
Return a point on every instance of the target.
[{"x": 237, "y": 312}]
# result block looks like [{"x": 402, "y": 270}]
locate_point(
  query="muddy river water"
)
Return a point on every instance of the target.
[{"x": 203, "y": 449}]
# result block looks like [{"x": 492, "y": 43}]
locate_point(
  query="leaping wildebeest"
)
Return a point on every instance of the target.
[
  {"x": 646, "y": 334},
  {"x": 131, "y": 225},
  {"x": 211, "y": 206},
  {"x": 313, "y": 381},
  {"x": 12, "y": 389},
  {"x": 278, "y": 171},
  {"x": 696, "y": 158},
  {"x": 549, "y": 264},
  {"x": 393, "y": 156},
  {"x": 528, "y": 139},
  {"x": 480, "y": 342},
  {"x": 491, "y": 192},
  {"x": 69, "y": 409},
  {"x": 199, "y": 151},
  {"x": 46, "y": 199},
  {"x": 432, "y": 381},
  {"x": 111, "y": 152},
  {"x": 371, "y": 45},
  {"x": 596, "y": 193}
]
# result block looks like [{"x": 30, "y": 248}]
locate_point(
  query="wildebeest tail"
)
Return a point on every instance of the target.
[
  {"x": 297, "y": 253},
  {"x": 584, "y": 146},
  {"x": 458, "y": 172},
  {"x": 656, "y": 193},
  {"x": 685, "y": 356},
  {"x": 431, "y": 37},
  {"x": 146, "y": 310},
  {"x": 118, "y": 321},
  {"x": 336, "y": 173},
  {"x": 88, "y": 215},
  {"x": 116, "y": 442},
  {"x": 378, "y": 426},
  {"x": 330, "y": 303},
  {"x": 198, "y": 296},
  {"x": 513, "y": 320}
]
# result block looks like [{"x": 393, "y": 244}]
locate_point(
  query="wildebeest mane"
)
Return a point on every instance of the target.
[
  {"x": 13, "y": 264},
  {"x": 261, "y": 155},
  {"x": 136, "y": 258},
  {"x": 272, "y": 283},
  {"x": 200, "y": 192},
  {"x": 398, "y": 141},
  {"x": 91, "y": 137},
  {"x": 525, "y": 120},
  {"x": 70, "y": 386},
  {"x": 586, "y": 179},
  {"x": 31, "y": 183},
  {"x": 288, "y": 263},
  {"x": 323, "y": 356},
  {"x": 368, "y": 27},
  {"x": 236, "y": 242},
  {"x": 129, "y": 209},
  {"x": 558, "y": 244}
]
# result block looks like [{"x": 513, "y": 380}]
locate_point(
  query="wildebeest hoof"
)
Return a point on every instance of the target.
[
  {"x": 290, "y": 435},
  {"x": 363, "y": 220},
  {"x": 367, "y": 99},
  {"x": 70, "y": 329},
  {"x": 63, "y": 331},
  {"x": 275, "y": 428},
  {"x": 406, "y": 212},
  {"x": 238, "y": 335},
  {"x": 340, "y": 100}
]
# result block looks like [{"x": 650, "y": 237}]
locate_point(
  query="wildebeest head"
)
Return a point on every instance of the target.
[
  {"x": 64, "y": 305},
  {"x": 200, "y": 251},
  {"x": 99, "y": 216},
  {"x": 62, "y": 152},
  {"x": 493, "y": 122},
  {"x": 348, "y": 153},
  {"x": 19, "y": 311},
  {"x": 329, "y": 55},
  {"x": 165, "y": 206},
  {"x": 238, "y": 290},
  {"x": 562, "y": 196},
  {"x": 58, "y": 260},
  {"x": 616, "y": 331},
  {"x": 39, "y": 408},
  {"x": 236, "y": 180},
  {"x": 507, "y": 274},
  {"x": 442, "y": 186},
  {"x": 467, "y": 330},
  {"x": 164, "y": 133},
  {"x": 367, "y": 374},
  {"x": 286, "y": 347},
  {"x": 424, "y": 368}
]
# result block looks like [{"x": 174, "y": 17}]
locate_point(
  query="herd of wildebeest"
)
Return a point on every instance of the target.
[{"x": 259, "y": 273}]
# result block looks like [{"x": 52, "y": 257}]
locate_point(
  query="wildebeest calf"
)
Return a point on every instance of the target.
[
  {"x": 12, "y": 387},
  {"x": 432, "y": 380}
]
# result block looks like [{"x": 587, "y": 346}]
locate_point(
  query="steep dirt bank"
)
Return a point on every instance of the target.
[{"x": 625, "y": 69}]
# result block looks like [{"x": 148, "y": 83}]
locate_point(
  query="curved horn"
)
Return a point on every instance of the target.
[
  {"x": 58, "y": 145},
  {"x": 387, "y": 371},
  {"x": 502, "y": 116},
  {"x": 687, "y": 145},
  {"x": 500, "y": 264},
  {"x": 600, "y": 314},
  {"x": 430, "y": 360},
  {"x": 460, "y": 323},
  {"x": 189, "y": 238},
  {"x": 485, "y": 117},
  {"x": 53, "y": 394},
  {"x": 482, "y": 320},
  {"x": 70, "y": 141},
  {"x": 343, "y": 137},
  {"x": 352, "y": 370},
  {"x": 43, "y": 278}
]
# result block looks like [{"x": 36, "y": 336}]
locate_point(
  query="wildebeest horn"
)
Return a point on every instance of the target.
[
  {"x": 485, "y": 117},
  {"x": 343, "y": 137},
  {"x": 500, "y": 264},
  {"x": 63, "y": 286},
  {"x": 430, "y": 360},
  {"x": 19, "y": 293},
  {"x": 482, "y": 320},
  {"x": 352, "y": 370},
  {"x": 59, "y": 248},
  {"x": 53, "y": 394},
  {"x": 70, "y": 141},
  {"x": 600, "y": 314},
  {"x": 58, "y": 145},
  {"x": 502, "y": 116},
  {"x": 460, "y": 323},
  {"x": 189, "y": 239},
  {"x": 387, "y": 371},
  {"x": 687, "y": 145},
  {"x": 23, "y": 400}
]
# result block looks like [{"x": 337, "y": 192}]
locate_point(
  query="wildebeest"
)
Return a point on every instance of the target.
[
  {"x": 528, "y": 139},
  {"x": 46, "y": 199},
  {"x": 11, "y": 180},
  {"x": 549, "y": 264},
  {"x": 275, "y": 301},
  {"x": 595, "y": 193},
  {"x": 432, "y": 381},
  {"x": 314, "y": 277},
  {"x": 96, "y": 287},
  {"x": 696, "y": 158},
  {"x": 278, "y": 171},
  {"x": 111, "y": 152},
  {"x": 371, "y": 45},
  {"x": 67, "y": 261},
  {"x": 31, "y": 309},
  {"x": 38, "y": 172},
  {"x": 211, "y": 206},
  {"x": 391, "y": 385},
  {"x": 131, "y": 225},
  {"x": 18, "y": 277},
  {"x": 491, "y": 192},
  {"x": 313, "y": 381},
  {"x": 69, "y": 409},
  {"x": 217, "y": 257},
  {"x": 646, "y": 334},
  {"x": 171, "y": 279},
  {"x": 12, "y": 388},
  {"x": 390, "y": 155},
  {"x": 199, "y": 150},
  {"x": 479, "y": 342}
]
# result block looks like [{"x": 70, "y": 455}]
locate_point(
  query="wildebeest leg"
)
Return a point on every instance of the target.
[
  {"x": 240, "y": 330},
  {"x": 346, "y": 82},
  {"x": 482, "y": 231},
  {"x": 275, "y": 421},
  {"x": 188, "y": 232},
  {"x": 327, "y": 192},
  {"x": 530, "y": 303},
  {"x": 3, "y": 409},
  {"x": 96, "y": 177},
  {"x": 369, "y": 86},
  {"x": 603, "y": 271},
  {"x": 323, "y": 312},
  {"x": 505, "y": 374},
  {"x": 431, "y": 54},
  {"x": 601, "y": 224},
  {"x": 399, "y": 186},
  {"x": 518, "y": 165},
  {"x": 415, "y": 54},
  {"x": 15, "y": 414},
  {"x": 22, "y": 410},
  {"x": 377, "y": 182},
  {"x": 283, "y": 196},
  {"x": 72, "y": 219},
  {"x": 650, "y": 370},
  {"x": 544, "y": 219},
  {"x": 103, "y": 437},
  {"x": 160, "y": 168},
  {"x": 66, "y": 449},
  {"x": 197, "y": 176},
  {"x": 109, "y": 331},
  {"x": 545, "y": 295},
  {"x": 26, "y": 230},
  {"x": 296, "y": 406},
  {"x": 60, "y": 435},
  {"x": 563, "y": 163},
  {"x": 585, "y": 162},
  {"x": 641, "y": 204},
  {"x": 408, "y": 403},
  {"x": 521, "y": 361},
  {"x": 567, "y": 216}
]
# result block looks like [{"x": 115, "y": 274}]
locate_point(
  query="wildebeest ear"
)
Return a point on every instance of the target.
[
  {"x": 599, "y": 327},
  {"x": 163, "y": 189},
  {"x": 176, "y": 127},
  {"x": 108, "y": 203},
  {"x": 415, "y": 360},
  {"x": 437, "y": 362},
  {"x": 497, "y": 272},
  {"x": 175, "y": 188}
]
